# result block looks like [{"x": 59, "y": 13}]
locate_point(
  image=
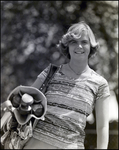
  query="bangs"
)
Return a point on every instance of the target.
[{"x": 76, "y": 30}]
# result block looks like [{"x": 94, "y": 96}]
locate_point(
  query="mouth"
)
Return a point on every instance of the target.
[{"x": 79, "y": 52}]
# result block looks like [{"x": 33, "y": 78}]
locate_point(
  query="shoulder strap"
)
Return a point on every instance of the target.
[
  {"x": 43, "y": 87},
  {"x": 51, "y": 72}
]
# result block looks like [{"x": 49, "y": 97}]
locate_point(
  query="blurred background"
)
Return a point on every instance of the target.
[{"x": 30, "y": 31}]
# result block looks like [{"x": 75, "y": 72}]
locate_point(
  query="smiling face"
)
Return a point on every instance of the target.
[
  {"x": 80, "y": 48},
  {"x": 76, "y": 33}
]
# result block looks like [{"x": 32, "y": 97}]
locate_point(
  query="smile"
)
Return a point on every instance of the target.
[{"x": 79, "y": 52}]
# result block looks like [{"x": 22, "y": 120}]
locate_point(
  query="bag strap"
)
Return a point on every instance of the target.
[
  {"x": 43, "y": 87},
  {"x": 50, "y": 74}
]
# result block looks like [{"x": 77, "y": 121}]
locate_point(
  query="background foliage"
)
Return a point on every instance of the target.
[{"x": 30, "y": 31}]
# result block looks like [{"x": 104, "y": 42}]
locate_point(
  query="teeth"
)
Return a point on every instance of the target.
[{"x": 79, "y": 52}]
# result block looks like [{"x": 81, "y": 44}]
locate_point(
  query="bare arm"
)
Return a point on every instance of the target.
[{"x": 102, "y": 123}]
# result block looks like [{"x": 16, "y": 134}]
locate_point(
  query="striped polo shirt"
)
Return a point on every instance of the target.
[{"x": 69, "y": 102}]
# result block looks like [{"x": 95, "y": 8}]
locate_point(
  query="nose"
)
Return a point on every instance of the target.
[{"x": 80, "y": 46}]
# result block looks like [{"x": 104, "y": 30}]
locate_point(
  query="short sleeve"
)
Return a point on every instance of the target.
[{"x": 103, "y": 90}]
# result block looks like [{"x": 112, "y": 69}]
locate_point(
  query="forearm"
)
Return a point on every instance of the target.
[{"x": 102, "y": 138}]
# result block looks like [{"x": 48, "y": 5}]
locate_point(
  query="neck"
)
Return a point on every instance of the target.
[{"x": 78, "y": 68}]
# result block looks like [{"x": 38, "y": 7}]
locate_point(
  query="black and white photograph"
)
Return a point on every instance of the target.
[{"x": 59, "y": 75}]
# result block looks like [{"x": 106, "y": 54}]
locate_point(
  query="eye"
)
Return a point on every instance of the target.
[
  {"x": 85, "y": 42},
  {"x": 73, "y": 42}
]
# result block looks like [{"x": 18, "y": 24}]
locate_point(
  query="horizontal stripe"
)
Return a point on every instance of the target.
[
  {"x": 70, "y": 102},
  {"x": 68, "y": 107}
]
